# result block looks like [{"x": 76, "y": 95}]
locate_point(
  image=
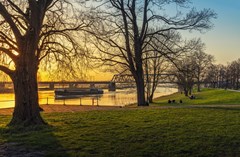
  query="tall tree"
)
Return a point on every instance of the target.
[
  {"x": 185, "y": 73},
  {"x": 124, "y": 29},
  {"x": 30, "y": 31},
  {"x": 157, "y": 57},
  {"x": 234, "y": 72},
  {"x": 203, "y": 62},
  {"x": 154, "y": 68},
  {"x": 212, "y": 77}
]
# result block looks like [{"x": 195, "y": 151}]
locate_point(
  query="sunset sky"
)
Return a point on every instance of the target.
[{"x": 223, "y": 41}]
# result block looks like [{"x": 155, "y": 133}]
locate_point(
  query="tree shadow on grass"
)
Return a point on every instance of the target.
[{"x": 36, "y": 141}]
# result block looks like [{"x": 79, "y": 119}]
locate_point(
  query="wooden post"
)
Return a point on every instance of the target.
[{"x": 112, "y": 86}]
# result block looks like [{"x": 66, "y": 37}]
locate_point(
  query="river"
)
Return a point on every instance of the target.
[{"x": 117, "y": 98}]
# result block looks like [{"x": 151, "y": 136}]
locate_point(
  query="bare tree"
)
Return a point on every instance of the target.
[
  {"x": 31, "y": 31},
  {"x": 234, "y": 72},
  {"x": 224, "y": 76},
  {"x": 157, "y": 57},
  {"x": 212, "y": 77},
  {"x": 202, "y": 60},
  {"x": 185, "y": 73},
  {"x": 123, "y": 30},
  {"x": 154, "y": 67}
]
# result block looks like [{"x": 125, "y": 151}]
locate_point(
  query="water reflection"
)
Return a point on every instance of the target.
[{"x": 117, "y": 98}]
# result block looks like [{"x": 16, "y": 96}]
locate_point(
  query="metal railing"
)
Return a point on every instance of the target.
[{"x": 66, "y": 101}]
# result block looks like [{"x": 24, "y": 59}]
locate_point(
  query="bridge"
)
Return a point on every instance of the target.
[
  {"x": 51, "y": 85},
  {"x": 111, "y": 85},
  {"x": 128, "y": 78}
]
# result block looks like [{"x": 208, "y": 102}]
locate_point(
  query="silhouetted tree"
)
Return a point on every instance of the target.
[
  {"x": 157, "y": 57},
  {"x": 29, "y": 32},
  {"x": 234, "y": 72},
  {"x": 212, "y": 77},
  {"x": 185, "y": 72},
  {"x": 154, "y": 67},
  {"x": 203, "y": 62}
]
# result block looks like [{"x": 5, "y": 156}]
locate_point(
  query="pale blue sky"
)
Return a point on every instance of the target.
[{"x": 223, "y": 41}]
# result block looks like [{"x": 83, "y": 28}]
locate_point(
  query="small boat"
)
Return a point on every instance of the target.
[{"x": 73, "y": 93}]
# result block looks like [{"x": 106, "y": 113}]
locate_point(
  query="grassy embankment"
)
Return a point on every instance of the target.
[
  {"x": 130, "y": 132},
  {"x": 205, "y": 97}
]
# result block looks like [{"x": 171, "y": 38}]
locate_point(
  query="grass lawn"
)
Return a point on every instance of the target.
[
  {"x": 205, "y": 97},
  {"x": 132, "y": 132}
]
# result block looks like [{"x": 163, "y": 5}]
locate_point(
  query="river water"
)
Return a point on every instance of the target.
[{"x": 117, "y": 98}]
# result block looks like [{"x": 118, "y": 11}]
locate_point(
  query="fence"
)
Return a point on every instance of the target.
[{"x": 74, "y": 101}]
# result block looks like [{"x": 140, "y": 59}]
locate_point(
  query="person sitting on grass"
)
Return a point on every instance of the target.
[{"x": 192, "y": 97}]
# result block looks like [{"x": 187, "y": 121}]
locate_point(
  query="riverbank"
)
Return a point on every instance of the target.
[
  {"x": 208, "y": 98},
  {"x": 205, "y": 97}
]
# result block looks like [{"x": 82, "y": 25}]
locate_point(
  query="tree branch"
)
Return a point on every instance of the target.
[
  {"x": 9, "y": 53},
  {"x": 7, "y": 71},
  {"x": 11, "y": 23}
]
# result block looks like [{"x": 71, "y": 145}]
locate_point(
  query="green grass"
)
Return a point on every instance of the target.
[
  {"x": 205, "y": 97},
  {"x": 129, "y": 132}
]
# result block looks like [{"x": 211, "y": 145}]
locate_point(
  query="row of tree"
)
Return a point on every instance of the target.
[
  {"x": 190, "y": 67},
  {"x": 224, "y": 76}
]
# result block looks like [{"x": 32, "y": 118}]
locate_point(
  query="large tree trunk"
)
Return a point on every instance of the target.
[
  {"x": 26, "y": 111},
  {"x": 185, "y": 91},
  {"x": 140, "y": 91},
  {"x": 190, "y": 91}
]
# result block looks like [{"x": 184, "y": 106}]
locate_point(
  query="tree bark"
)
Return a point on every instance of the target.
[
  {"x": 190, "y": 91},
  {"x": 140, "y": 92},
  {"x": 185, "y": 91},
  {"x": 26, "y": 111}
]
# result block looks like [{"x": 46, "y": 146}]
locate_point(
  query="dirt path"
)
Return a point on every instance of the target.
[{"x": 64, "y": 108}]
